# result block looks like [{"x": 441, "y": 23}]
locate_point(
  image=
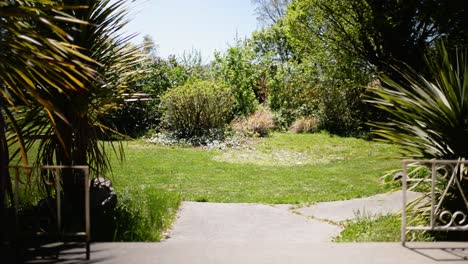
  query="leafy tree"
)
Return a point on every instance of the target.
[
  {"x": 272, "y": 42},
  {"x": 236, "y": 69},
  {"x": 342, "y": 108},
  {"x": 382, "y": 33},
  {"x": 293, "y": 91},
  {"x": 270, "y": 11}
]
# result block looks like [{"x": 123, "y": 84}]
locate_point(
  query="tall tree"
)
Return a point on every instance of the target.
[
  {"x": 273, "y": 42},
  {"x": 236, "y": 69},
  {"x": 270, "y": 11},
  {"x": 383, "y": 33}
]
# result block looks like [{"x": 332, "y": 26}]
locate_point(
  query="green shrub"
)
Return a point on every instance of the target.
[
  {"x": 197, "y": 109},
  {"x": 305, "y": 125},
  {"x": 257, "y": 124}
]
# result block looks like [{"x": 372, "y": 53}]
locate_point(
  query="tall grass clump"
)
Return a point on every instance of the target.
[
  {"x": 144, "y": 215},
  {"x": 258, "y": 124},
  {"x": 305, "y": 125},
  {"x": 383, "y": 228}
]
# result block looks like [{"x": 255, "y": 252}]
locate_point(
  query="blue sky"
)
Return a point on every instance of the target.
[{"x": 182, "y": 25}]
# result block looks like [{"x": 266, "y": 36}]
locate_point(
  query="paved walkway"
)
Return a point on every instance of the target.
[
  {"x": 255, "y": 233},
  {"x": 192, "y": 252}
]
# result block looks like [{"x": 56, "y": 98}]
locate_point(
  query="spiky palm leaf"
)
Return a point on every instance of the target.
[
  {"x": 102, "y": 40},
  {"x": 35, "y": 57},
  {"x": 429, "y": 117}
]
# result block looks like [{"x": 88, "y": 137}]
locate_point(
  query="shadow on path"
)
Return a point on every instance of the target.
[{"x": 441, "y": 253}]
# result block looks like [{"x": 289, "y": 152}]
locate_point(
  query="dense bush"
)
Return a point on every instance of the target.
[
  {"x": 293, "y": 88},
  {"x": 197, "y": 109},
  {"x": 341, "y": 110},
  {"x": 257, "y": 124},
  {"x": 134, "y": 119}
]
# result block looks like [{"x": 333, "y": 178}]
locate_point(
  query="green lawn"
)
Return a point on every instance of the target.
[{"x": 283, "y": 168}]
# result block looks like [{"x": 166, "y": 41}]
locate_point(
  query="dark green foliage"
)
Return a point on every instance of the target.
[
  {"x": 196, "y": 109},
  {"x": 382, "y": 33},
  {"x": 294, "y": 88},
  {"x": 350, "y": 42},
  {"x": 342, "y": 109},
  {"x": 429, "y": 117},
  {"x": 135, "y": 119}
]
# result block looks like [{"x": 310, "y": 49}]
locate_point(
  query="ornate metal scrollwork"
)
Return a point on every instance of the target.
[
  {"x": 444, "y": 188},
  {"x": 449, "y": 219}
]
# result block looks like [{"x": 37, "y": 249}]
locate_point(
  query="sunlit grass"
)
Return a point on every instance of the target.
[{"x": 352, "y": 169}]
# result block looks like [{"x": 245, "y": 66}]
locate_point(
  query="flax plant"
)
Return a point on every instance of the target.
[{"x": 429, "y": 120}]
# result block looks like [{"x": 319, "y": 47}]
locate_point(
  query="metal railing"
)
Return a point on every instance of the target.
[
  {"x": 437, "y": 180},
  {"x": 56, "y": 184}
]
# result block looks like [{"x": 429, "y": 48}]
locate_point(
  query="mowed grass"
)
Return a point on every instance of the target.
[{"x": 283, "y": 168}]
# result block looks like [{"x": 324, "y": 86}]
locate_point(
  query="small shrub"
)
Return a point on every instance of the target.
[
  {"x": 197, "y": 109},
  {"x": 305, "y": 125},
  {"x": 258, "y": 124}
]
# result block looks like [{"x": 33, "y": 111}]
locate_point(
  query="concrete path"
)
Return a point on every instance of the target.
[
  {"x": 195, "y": 252},
  {"x": 209, "y": 222},
  {"x": 339, "y": 211},
  {"x": 212, "y": 233},
  {"x": 240, "y": 223}
]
